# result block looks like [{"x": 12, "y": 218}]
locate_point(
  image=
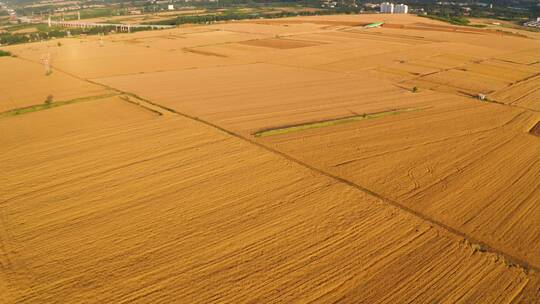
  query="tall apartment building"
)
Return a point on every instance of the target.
[
  {"x": 401, "y": 9},
  {"x": 390, "y": 8},
  {"x": 387, "y": 8}
]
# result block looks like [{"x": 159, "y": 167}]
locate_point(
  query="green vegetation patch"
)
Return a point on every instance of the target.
[
  {"x": 331, "y": 122},
  {"x": 4, "y": 53},
  {"x": 49, "y": 103},
  {"x": 455, "y": 20}
]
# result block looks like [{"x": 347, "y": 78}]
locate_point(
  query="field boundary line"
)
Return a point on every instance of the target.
[
  {"x": 53, "y": 104},
  {"x": 331, "y": 122},
  {"x": 143, "y": 106}
]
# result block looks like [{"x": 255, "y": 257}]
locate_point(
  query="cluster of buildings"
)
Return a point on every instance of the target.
[
  {"x": 11, "y": 12},
  {"x": 337, "y": 3},
  {"x": 71, "y": 8},
  {"x": 533, "y": 23},
  {"x": 391, "y": 8},
  {"x": 465, "y": 3}
]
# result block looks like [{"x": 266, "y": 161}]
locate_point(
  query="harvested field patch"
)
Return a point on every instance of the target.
[
  {"x": 304, "y": 21},
  {"x": 252, "y": 97},
  {"x": 267, "y": 30},
  {"x": 434, "y": 28},
  {"x": 406, "y": 70},
  {"x": 413, "y": 166},
  {"x": 424, "y": 59},
  {"x": 70, "y": 119},
  {"x": 91, "y": 60},
  {"x": 280, "y": 43},
  {"x": 524, "y": 93},
  {"x": 15, "y": 93},
  {"x": 502, "y": 70},
  {"x": 421, "y": 26},
  {"x": 77, "y": 243},
  {"x": 528, "y": 57},
  {"x": 459, "y": 81},
  {"x": 363, "y": 34}
]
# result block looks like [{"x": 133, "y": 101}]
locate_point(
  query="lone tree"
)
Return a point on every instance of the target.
[
  {"x": 415, "y": 89},
  {"x": 49, "y": 99}
]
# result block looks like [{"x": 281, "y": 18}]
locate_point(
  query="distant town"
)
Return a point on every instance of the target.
[{"x": 29, "y": 21}]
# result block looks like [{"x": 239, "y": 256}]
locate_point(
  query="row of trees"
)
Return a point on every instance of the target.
[
  {"x": 502, "y": 9},
  {"x": 208, "y": 18},
  {"x": 14, "y": 38}
]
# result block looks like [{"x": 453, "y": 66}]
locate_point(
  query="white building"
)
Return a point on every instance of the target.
[
  {"x": 387, "y": 8},
  {"x": 390, "y": 8},
  {"x": 401, "y": 9},
  {"x": 533, "y": 23},
  {"x": 170, "y": 7}
]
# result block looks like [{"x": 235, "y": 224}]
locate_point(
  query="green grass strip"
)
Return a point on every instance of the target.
[
  {"x": 54, "y": 104},
  {"x": 4, "y": 53},
  {"x": 331, "y": 122}
]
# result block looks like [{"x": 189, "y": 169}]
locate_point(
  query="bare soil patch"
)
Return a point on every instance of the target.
[
  {"x": 279, "y": 43},
  {"x": 201, "y": 52},
  {"x": 536, "y": 129}
]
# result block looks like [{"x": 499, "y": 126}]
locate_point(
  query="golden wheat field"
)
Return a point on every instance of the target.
[{"x": 296, "y": 160}]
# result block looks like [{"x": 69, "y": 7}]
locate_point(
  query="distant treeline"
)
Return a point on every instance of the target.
[
  {"x": 208, "y": 18},
  {"x": 450, "y": 19},
  {"x": 45, "y": 33},
  {"x": 504, "y": 10}
]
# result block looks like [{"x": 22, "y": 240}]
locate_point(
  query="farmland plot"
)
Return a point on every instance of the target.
[
  {"x": 17, "y": 74},
  {"x": 457, "y": 164},
  {"x": 91, "y": 59},
  {"x": 247, "y": 98},
  {"x": 70, "y": 119},
  {"x": 524, "y": 94},
  {"x": 264, "y": 228}
]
